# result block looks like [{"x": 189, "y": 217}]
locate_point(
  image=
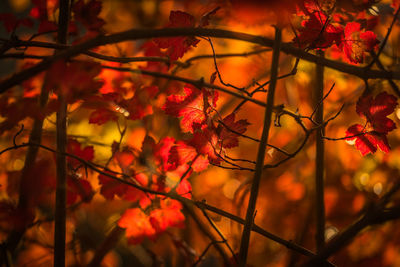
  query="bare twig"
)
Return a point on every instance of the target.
[
  {"x": 221, "y": 235},
  {"x": 219, "y": 73},
  {"x": 204, "y": 229},
  {"x": 260, "y": 87},
  {"x": 319, "y": 157},
  {"x": 203, "y": 254}
]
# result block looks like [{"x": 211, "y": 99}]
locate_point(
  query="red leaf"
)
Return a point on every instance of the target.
[
  {"x": 185, "y": 188},
  {"x": 111, "y": 188},
  {"x": 140, "y": 104},
  {"x": 75, "y": 79},
  {"x": 108, "y": 106},
  {"x": 78, "y": 187},
  {"x": 369, "y": 40},
  {"x": 11, "y": 22},
  {"x": 133, "y": 194},
  {"x": 137, "y": 225},
  {"x": 125, "y": 159},
  {"x": 162, "y": 152},
  {"x": 355, "y": 42},
  {"x": 229, "y": 138},
  {"x": 395, "y": 4},
  {"x": 41, "y": 182},
  {"x": 114, "y": 81},
  {"x": 178, "y": 46},
  {"x": 151, "y": 49},
  {"x": 47, "y": 26},
  {"x": 194, "y": 106},
  {"x": 180, "y": 19},
  {"x": 182, "y": 154},
  {"x": 26, "y": 107},
  {"x": 200, "y": 164},
  {"x": 376, "y": 110},
  {"x": 88, "y": 14},
  {"x": 12, "y": 218},
  {"x": 206, "y": 143},
  {"x": 317, "y": 32},
  {"x": 367, "y": 142},
  {"x": 74, "y": 147},
  {"x": 168, "y": 215},
  {"x": 101, "y": 116}
]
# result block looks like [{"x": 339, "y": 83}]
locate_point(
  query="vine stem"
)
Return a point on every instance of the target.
[
  {"x": 61, "y": 124},
  {"x": 319, "y": 157},
  {"x": 244, "y": 245}
]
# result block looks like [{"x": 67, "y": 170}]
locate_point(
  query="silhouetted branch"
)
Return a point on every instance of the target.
[
  {"x": 319, "y": 156},
  {"x": 383, "y": 44},
  {"x": 199, "y": 204},
  {"x": 136, "y": 34},
  {"x": 376, "y": 213},
  {"x": 244, "y": 243},
  {"x": 61, "y": 140}
]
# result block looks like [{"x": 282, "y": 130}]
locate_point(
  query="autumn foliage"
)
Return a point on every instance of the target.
[{"x": 167, "y": 106}]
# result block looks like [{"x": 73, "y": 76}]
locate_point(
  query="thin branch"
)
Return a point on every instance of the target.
[
  {"x": 348, "y": 137},
  {"x": 204, "y": 229},
  {"x": 260, "y": 87},
  {"x": 244, "y": 244},
  {"x": 334, "y": 116},
  {"x": 391, "y": 82},
  {"x": 375, "y": 214},
  {"x": 321, "y": 101},
  {"x": 244, "y": 54},
  {"x": 203, "y": 254},
  {"x": 197, "y": 83},
  {"x": 221, "y": 235},
  {"x": 136, "y": 34},
  {"x": 61, "y": 162},
  {"x": 243, "y": 160},
  {"x": 298, "y": 118},
  {"x": 24, "y": 196},
  {"x": 319, "y": 156},
  {"x": 257, "y": 229},
  {"x": 199, "y": 204},
  {"x": 219, "y": 73},
  {"x": 382, "y": 46},
  {"x": 21, "y": 56},
  {"x": 291, "y": 155},
  {"x": 166, "y": 60},
  {"x": 236, "y": 132},
  {"x": 109, "y": 243}
]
